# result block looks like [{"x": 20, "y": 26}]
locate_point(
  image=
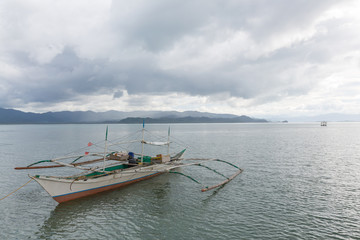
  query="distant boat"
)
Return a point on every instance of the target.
[
  {"x": 105, "y": 176},
  {"x": 323, "y": 124}
]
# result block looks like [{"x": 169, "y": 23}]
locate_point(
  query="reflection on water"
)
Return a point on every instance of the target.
[
  {"x": 215, "y": 192},
  {"x": 116, "y": 206}
]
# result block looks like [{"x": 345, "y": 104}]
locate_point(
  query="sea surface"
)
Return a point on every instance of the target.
[{"x": 300, "y": 181}]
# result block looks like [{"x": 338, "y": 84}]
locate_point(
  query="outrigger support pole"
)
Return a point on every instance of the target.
[
  {"x": 39, "y": 162},
  {"x": 212, "y": 170},
  {"x": 228, "y": 179},
  {"x": 76, "y": 159},
  {"x": 219, "y": 160},
  {"x": 193, "y": 179},
  {"x": 222, "y": 183}
]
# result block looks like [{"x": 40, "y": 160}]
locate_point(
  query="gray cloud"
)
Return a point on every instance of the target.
[
  {"x": 248, "y": 49},
  {"x": 118, "y": 94}
]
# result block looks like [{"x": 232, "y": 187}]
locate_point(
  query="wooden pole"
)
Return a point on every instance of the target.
[
  {"x": 105, "y": 150},
  {"x": 222, "y": 183},
  {"x": 142, "y": 143}
]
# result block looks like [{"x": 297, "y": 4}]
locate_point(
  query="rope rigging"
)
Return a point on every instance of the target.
[{"x": 16, "y": 190}]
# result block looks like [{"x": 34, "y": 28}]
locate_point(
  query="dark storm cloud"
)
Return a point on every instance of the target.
[
  {"x": 63, "y": 78},
  {"x": 118, "y": 94},
  {"x": 246, "y": 49},
  {"x": 157, "y": 25}
]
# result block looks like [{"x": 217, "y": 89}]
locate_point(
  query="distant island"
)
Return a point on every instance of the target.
[
  {"x": 241, "y": 119},
  {"x": 12, "y": 116}
]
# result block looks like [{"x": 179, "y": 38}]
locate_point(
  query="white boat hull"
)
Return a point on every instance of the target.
[{"x": 66, "y": 189}]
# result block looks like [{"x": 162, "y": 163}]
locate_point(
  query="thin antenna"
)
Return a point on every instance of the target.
[
  {"x": 106, "y": 136},
  {"x": 142, "y": 142},
  {"x": 168, "y": 143}
]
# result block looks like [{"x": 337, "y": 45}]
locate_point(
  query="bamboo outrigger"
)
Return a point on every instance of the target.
[{"x": 116, "y": 169}]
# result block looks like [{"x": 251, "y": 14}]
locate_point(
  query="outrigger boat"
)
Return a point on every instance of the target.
[{"x": 116, "y": 169}]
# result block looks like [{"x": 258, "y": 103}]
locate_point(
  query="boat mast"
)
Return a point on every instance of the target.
[
  {"x": 106, "y": 135},
  {"x": 142, "y": 142},
  {"x": 168, "y": 143}
]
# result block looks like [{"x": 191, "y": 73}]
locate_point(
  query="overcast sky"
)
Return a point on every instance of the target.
[{"x": 252, "y": 57}]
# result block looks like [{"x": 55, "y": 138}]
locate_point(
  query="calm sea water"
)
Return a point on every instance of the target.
[{"x": 300, "y": 181}]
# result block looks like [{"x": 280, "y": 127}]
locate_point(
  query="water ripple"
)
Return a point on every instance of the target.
[{"x": 300, "y": 182}]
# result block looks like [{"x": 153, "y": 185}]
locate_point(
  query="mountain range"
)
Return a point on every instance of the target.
[{"x": 11, "y": 116}]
